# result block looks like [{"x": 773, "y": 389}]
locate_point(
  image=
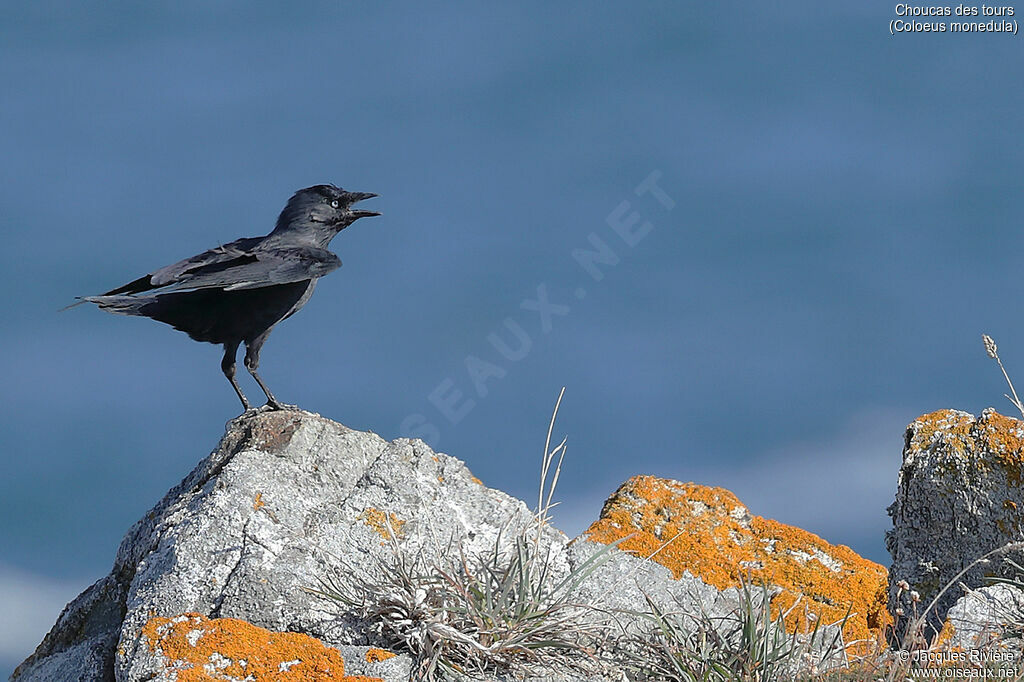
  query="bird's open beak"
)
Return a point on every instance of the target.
[{"x": 357, "y": 197}]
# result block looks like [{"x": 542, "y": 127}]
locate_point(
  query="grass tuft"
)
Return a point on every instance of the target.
[
  {"x": 746, "y": 644},
  {"x": 506, "y": 609}
]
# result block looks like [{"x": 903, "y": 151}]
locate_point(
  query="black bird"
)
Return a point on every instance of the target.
[{"x": 237, "y": 292}]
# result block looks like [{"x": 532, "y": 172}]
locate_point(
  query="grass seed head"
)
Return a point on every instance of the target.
[{"x": 990, "y": 346}]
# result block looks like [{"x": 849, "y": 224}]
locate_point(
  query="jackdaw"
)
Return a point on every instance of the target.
[{"x": 237, "y": 292}]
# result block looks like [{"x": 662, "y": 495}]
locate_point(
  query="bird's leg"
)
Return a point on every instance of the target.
[
  {"x": 227, "y": 365},
  {"x": 252, "y": 362}
]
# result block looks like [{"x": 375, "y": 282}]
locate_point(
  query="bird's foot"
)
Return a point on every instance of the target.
[{"x": 269, "y": 407}]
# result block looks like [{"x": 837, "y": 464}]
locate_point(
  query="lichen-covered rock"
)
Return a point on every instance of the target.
[
  {"x": 192, "y": 648},
  {"x": 959, "y": 497},
  {"x": 707, "y": 532},
  {"x": 284, "y": 498}
]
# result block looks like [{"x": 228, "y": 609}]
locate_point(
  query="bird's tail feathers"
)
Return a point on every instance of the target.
[
  {"x": 121, "y": 305},
  {"x": 78, "y": 301}
]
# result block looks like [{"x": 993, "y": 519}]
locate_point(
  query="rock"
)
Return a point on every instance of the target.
[
  {"x": 707, "y": 532},
  {"x": 267, "y": 515},
  {"x": 959, "y": 497},
  {"x": 624, "y": 581},
  {"x": 981, "y": 616}
]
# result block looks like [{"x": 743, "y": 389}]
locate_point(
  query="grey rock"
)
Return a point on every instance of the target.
[
  {"x": 284, "y": 500},
  {"x": 397, "y": 668},
  {"x": 959, "y": 497},
  {"x": 261, "y": 518},
  {"x": 623, "y": 582},
  {"x": 985, "y": 614}
]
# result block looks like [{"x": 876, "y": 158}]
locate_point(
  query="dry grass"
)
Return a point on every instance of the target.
[
  {"x": 457, "y": 614},
  {"x": 747, "y": 644},
  {"x": 504, "y": 610}
]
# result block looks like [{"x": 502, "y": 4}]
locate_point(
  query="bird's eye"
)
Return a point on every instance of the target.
[{"x": 334, "y": 203}]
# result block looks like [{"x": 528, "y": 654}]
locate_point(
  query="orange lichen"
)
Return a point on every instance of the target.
[
  {"x": 379, "y": 522},
  {"x": 952, "y": 426},
  {"x": 1004, "y": 437},
  {"x": 946, "y": 635},
  {"x": 710, "y": 534},
  {"x": 475, "y": 479},
  {"x": 258, "y": 503},
  {"x": 378, "y": 655},
  {"x": 198, "y": 649},
  {"x": 992, "y": 439}
]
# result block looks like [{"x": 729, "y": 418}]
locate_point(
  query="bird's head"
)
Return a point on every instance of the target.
[{"x": 322, "y": 211}]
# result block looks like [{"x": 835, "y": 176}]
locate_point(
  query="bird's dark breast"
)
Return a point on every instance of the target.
[{"x": 218, "y": 316}]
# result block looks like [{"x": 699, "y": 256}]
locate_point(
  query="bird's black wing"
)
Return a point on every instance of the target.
[
  {"x": 236, "y": 253},
  {"x": 257, "y": 268},
  {"x": 238, "y": 265}
]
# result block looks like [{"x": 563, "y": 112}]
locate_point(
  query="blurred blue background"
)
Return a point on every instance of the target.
[{"x": 845, "y": 223}]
